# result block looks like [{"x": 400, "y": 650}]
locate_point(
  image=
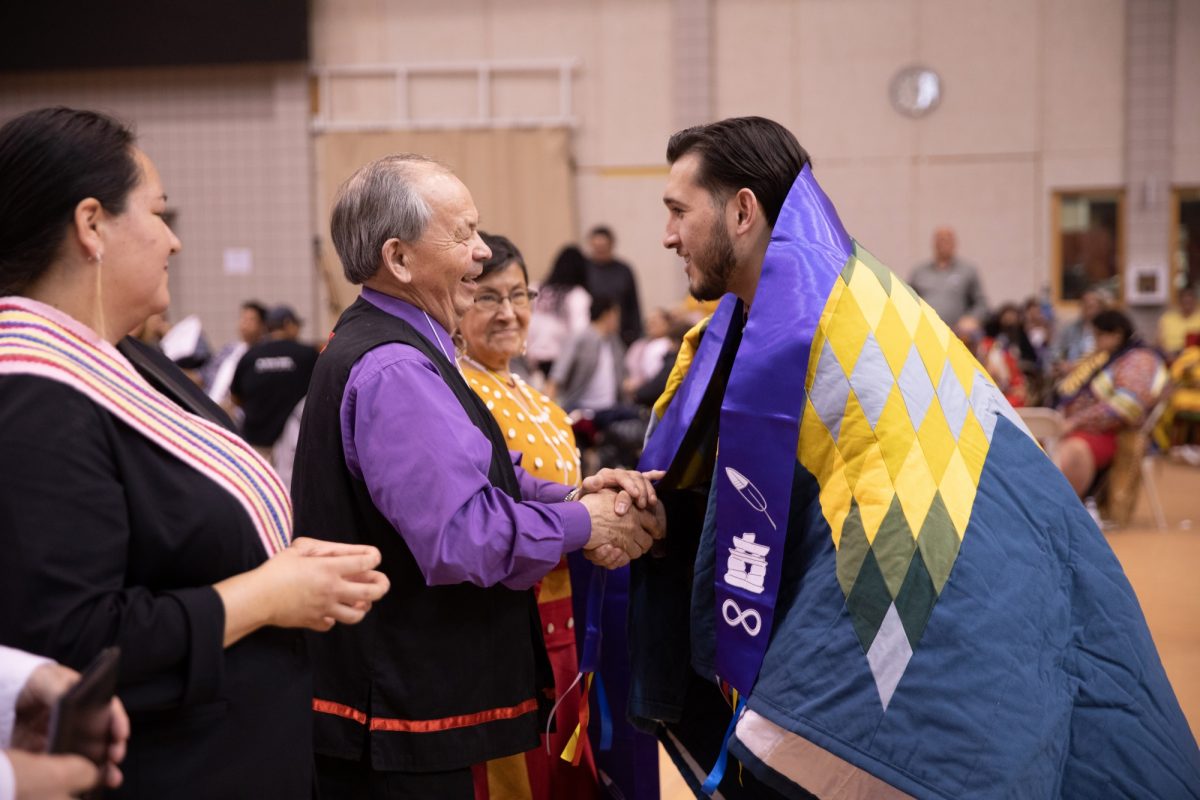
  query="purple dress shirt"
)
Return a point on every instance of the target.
[{"x": 425, "y": 464}]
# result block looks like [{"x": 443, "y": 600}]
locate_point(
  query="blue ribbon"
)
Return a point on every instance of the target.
[
  {"x": 606, "y": 723},
  {"x": 589, "y": 660},
  {"x": 718, "y": 771}
]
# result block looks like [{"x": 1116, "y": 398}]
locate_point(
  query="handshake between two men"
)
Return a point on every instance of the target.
[{"x": 626, "y": 516}]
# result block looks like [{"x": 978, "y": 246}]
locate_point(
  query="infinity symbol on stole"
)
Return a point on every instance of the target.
[{"x": 750, "y": 620}]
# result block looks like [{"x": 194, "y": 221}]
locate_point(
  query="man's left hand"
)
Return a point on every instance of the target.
[{"x": 633, "y": 488}]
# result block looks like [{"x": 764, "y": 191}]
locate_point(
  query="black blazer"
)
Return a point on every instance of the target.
[
  {"x": 171, "y": 381},
  {"x": 107, "y": 539}
]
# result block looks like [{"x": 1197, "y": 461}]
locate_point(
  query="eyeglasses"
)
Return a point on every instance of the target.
[{"x": 490, "y": 302}]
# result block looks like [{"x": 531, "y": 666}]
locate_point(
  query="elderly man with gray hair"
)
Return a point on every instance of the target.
[{"x": 395, "y": 450}]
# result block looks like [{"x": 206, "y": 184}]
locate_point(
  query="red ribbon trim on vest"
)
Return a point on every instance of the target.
[
  {"x": 339, "y": 710},
  {"x": 426, "y": 725}
]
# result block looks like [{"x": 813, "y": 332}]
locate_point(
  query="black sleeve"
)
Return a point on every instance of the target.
[
  {"x": 65, "y": 540},
  {"x": 171, "y": 381},
  {"x": 236, "y": 386}
]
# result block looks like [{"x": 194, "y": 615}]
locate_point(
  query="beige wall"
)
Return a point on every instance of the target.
[
  {"x": 522, "y": 186},
  {"x": 231, "y": 145},
  {"x": 1187, "y": 95},
  {"x": 620, "y": 93},
  {"x": 1033, "y": 101}
]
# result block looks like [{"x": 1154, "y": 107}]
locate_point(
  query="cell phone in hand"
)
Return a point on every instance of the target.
[{"x": 81, "y": 719}]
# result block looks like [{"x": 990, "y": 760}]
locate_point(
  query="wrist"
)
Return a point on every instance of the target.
[
  {"x": 571, "y": 496},
  {"x": 249, "y": 603}
]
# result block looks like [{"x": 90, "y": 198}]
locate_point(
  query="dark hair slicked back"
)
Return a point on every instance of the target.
[
  {"x": 752, "y": 153},
  {"x": 50, "y": 160}
]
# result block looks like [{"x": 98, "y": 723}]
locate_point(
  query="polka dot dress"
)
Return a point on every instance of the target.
[{"x": 531, "y": 422}]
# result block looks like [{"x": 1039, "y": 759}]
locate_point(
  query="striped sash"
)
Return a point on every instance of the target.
[{"x": 35, "y": 339}]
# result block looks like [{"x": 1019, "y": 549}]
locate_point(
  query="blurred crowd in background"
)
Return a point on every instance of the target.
[{"x": 589, "y": 346}]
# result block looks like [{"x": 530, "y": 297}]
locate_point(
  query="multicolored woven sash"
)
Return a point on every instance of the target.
[{"x": 36, "y": 339}]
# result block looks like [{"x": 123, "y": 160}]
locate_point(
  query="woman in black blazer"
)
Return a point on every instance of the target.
[{"x": 126, "y": 520}]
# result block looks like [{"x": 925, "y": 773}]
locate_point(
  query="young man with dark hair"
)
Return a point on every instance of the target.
[{"x": 891, "y": 585}]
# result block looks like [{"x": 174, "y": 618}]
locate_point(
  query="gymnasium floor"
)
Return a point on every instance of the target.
[{"x": 1164, "y": 568}]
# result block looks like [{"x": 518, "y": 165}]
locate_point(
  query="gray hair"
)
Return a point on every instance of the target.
[{"x": 381, "y": 201}]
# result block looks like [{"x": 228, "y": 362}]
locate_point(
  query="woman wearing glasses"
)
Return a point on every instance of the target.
[{"x": 493, "y": 332}]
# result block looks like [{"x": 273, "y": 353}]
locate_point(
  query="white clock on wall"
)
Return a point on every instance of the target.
[{"x": 915, "y": 91}]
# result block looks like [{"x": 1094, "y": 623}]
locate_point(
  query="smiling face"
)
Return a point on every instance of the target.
[
  {"x": 494, "y": 337},
  {"x": 698, "y": 231},
  {"x": 136, "y": 246},
  {"x": 444, "y": 263}
]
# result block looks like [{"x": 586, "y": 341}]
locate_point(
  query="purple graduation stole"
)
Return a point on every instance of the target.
[{"x": 760, "y": 421}]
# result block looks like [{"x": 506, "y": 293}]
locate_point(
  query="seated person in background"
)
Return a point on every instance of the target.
[
  {"x": 644, "y": 359},
  {"x": 997, "y": 359},
  {"x": 588, "y": 373},
  {"x": 560, "y": 310},
  {"x": 648, "y": 393},
  {"x": 1039, "y": 327},
  {"x": 1076, "y": 339},
  {"x": 1007, "y": 326},
  {"x": 1180, "y": 327},
  {"x": 1180, "y": 424},
  {"x": 1107, "y": 392}
]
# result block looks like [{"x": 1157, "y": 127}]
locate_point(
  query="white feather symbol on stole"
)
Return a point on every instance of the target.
[{"x": 749, "y": 492}]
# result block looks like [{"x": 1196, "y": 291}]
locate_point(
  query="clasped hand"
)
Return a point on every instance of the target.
[
  {"x": 322, "y": 583},
  {"x": 626, "y": 516}
]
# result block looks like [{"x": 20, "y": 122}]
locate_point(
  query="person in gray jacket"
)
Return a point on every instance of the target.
[
  {"x": 588, "y": 372},
  {"x": 949, "y": 284}
]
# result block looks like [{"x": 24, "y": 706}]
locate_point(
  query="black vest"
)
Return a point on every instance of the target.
[{"x": 436, "y": 677}]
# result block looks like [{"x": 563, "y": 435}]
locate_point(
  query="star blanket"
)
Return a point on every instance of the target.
[{"x": 950, "y": 622}]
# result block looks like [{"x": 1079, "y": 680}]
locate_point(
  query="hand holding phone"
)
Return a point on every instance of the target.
[{"x": 89, "y": 722}]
